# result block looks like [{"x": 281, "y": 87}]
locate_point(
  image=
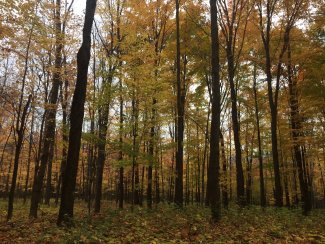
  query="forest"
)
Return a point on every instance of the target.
[{"x": 162, "y": 121}]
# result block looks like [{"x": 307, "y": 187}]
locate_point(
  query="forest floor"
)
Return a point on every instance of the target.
[{"x": 164, "y": 224}]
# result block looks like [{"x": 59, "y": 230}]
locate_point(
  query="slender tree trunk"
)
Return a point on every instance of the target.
[
  {"x": 50, "y": 122},
  {"x": 48, "y": 189},
  {"x": 187, "y": 172},
  {"x": 249, "y": 160},
  {"x": 230, "y": 166},
  {"x": 296, "y": 134},
  {"x": 205, "y": 156},
  {"x": 64, "y": 98},
  {"x": 162, "y": 173},
  {"x": 235, "y": 126},
  {"x": 135, "y": 147},
  {"x": 4, "y": 148},
  {"x": 9, "y": 172},
  {"x": 21, "y": 124},
  {"x": 198, "y": 175},
  {"x": 213, "y": 187},
  {"x": 151, "y": 153},
  {"x": 260, "y": 156},
  {"x": 20, "y": 127},
  {"x": 265, "y": 33},
  {"x": 121, "y": 170},
  {"x": 76, "y": 118},
  {"x": 29, "y": 155},
  {"x": 180, "y": 118},
  {"x": 225, "y": 199},
  {"x": 103, "y": 121}
]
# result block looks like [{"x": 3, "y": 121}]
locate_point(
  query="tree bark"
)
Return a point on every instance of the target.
[
  {"x": 265, "y": 34},
  {"x": 180, "y": 118},
  {"x": 102, "y": 121},
  {"x": 121, "y": 170},
  {"x": 20, "y": 127},
  {"x": 260, "y": 156},
  {"x": 225, "y": 198},
  {"x": 151, "y": 153},
  {"x": 76, "y": 118},
  {"x": 296, "y": 133},
  {"x": 213, "y": 187},
  {"x": 50, "y": 122},
  {"x": 21, "y": 124},
  {"x": 29, "y": 155}
]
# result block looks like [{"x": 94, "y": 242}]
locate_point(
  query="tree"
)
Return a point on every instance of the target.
[
  {"x": 260, "y": 156},
  {"x": 266, "y": 14},
  {"x": 233, "y": 17},
  {"x": 213, "y": 187},
  {"x": 76, "y": 118},
  {"x": 20, "y": 125},
  {"x": 180, "y": 117},
  {"x": 50, "y": 123}
]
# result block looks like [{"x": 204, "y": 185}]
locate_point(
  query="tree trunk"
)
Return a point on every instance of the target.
[
  {"x": 180, "y": 118},
  {"x": 296, "y": 133},
  {"x": 205, "y": 156},
  {"x": 76, "y": 118},
  {"x": 213, "y": 187},
  {"x": 29, "y": 155},
  {"x": 21, "y": 124},
  {"x": 20, "y": 127},
  {"x": 102, "y": 121},
  {"x": 121, "y": 170},
  {"x": 64, "y": 131},
  {"x": 225, "y": 199},
  {"x": 260, "y": 156},
  {"x": 50, "y": 122},
  {"x": 151, "y": 154}
]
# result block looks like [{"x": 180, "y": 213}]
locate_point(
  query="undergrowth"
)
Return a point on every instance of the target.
[{"x": 164, "y": 223}]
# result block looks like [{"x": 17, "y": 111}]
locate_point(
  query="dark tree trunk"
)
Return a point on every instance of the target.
[
  {"x": 149, "y": 187},
  {"x": 225, "y": 198},
  {"x": 102, "y": 121},
  {"x": 157, "y": 195},
  {"x": 260, "y": 156},
  {"x": 235, "y": 123},
  {"x": 249, "y": 160},
  {"x": 296, "y": 134},
  {"x": 205, "y": 156},
  {"x": 48, "y": 189},
  {"x": 235, "y": 126},
  {"x": 4, "y": 148},
  {"x": 21, "y": 124},
  {"x": 137, "y": 191},
  {"x": 277, "y": 177},
  {"x": 198, "y": 168},
  {"x": 180, "y": 117},
  {"x": 151, "y": 154},
  {"x": 213, "y": 187},
  {"x": 91, "y": 158},
  {"x": 76, "y": 118},
  {"x": 20, "y": 127},
  {"x": 187, "y": 172},
  {"x": 121, "y": 170},
  {"x": 162, "y": 174},
  {"x": 272, "y": 94},
  {"x": 135, "y": 148},
  {"x": 64, "y": 104},
  {"x": 29, "y": 155},
  {"x": 50, "y": 123},
  {"x": 142, "y": 185},
  {"x": 9, "y": 171}
]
